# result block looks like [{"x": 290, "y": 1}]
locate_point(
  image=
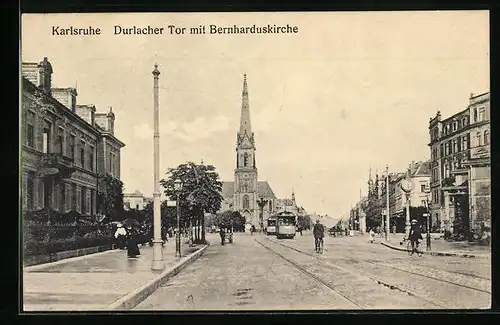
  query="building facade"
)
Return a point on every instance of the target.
[
  {"x": 135, "y": 200},
  {"x": 460, "y": 160},
  {"x": 65, "y": 146}
]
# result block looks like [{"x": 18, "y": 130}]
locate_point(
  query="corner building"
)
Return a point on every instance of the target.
[
  {"x": 66, "y": 147},
  {"x": 460, "y": 166}
]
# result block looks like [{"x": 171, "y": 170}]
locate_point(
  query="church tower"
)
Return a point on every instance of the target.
[{"x": 245, "y": 174}]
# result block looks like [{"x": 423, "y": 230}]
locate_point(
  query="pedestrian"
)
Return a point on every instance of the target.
[
  {"x": 372, "y": 238},
  {"x": 132, "y": 247},
  {"x": 222, "y": 235},
  {"x": 120, "y": 235}
]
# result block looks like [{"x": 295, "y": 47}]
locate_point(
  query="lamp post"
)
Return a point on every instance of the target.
[
  {"x": 178, "y": 189},
  {"x": 387, "y": 216},
  {"x": 157, "y": 241},
  {"x": 427, "y": 215},
  {"x": 262, "y": 203}
]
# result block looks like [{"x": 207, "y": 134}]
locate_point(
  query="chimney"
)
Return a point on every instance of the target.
[
  {"x": 106, "y": 121},
  {"x": 86, "y": 112},
  {"x": 66, "y": 96},
  {"x": 39, "y": 74}
]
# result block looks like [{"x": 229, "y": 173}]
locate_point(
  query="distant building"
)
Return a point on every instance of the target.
[
  {"x": 135, "y": 200},
  {"x": 65, "y": 147},
  {"x": 460, "y": 162}
]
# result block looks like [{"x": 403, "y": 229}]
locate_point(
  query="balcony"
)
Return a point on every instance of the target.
[{"x": 57, "y": 165}]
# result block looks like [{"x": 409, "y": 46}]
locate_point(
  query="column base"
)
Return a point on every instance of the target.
[{"x": 158, "y": 263}]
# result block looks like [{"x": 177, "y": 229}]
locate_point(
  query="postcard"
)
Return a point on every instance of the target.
[{"x": 258, "y": 161}]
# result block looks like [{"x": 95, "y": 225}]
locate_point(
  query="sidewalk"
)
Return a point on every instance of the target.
[
  {"x": 439, "y": 246},
  {"x": 100, "y": 281}
]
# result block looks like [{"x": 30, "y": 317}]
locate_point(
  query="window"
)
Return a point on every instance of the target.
[
  {"x": 246, "y": 202},
  {"x": 478, "y": 139},
  {"x": 459, "y": 122},
  {"x": 30, "y": 135},
  {"x": 83, "y": 198},
  {"x": 72, "y": 143},
  {"x": 30, "y": 190},
  {"x": 422, "y": 188},
  {"x": 464, "y": 122},
  {"x": 464, "y": 143},
  {"x": 245, "y": 159},
  {"x": 442, "y": 150},
  {"x": 92, "y": 201},
  {"x": 62, "y": 202},
  {"x": 482, "y": 112},
  {"x": 30, "y": 129},
  {"x": 455, "y": 145},
  {"x": 270, "y": 206},
  {"x": 455, "y": 125},
  {"x": 82, "y": 154},
  {"x": 137, "y": 206},
  {"x": 486, "y": 137},
  {"x": 475, "y": 114},
  {"x": 46, "y": 140},
  {"x": 60, "y": 143},
  {"x": 73, "y": 197},
  {"x": 91, "y": 158}
]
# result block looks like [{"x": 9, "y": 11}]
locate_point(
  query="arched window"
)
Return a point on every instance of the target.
[
  {"x": 486, "y": 137},
  {"x": 478, "y": 136},
  {"x": 245, "y": 159},
  {"x": 246, "y": 202}
]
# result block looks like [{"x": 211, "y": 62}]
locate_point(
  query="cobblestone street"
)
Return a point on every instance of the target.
[{"x": 261, "y": 273}]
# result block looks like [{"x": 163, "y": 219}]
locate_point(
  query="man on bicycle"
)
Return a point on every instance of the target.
[
  {"x": 319, "y": 233},
  {"x": 415, "y": 234}
]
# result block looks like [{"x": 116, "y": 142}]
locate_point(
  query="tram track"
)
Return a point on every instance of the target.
[
  {"x": 311, "y": 275},
  {"x": 401, "y": 288},
  {"x": 414, "y": 273},
  {"x": 423, "y": 275}
]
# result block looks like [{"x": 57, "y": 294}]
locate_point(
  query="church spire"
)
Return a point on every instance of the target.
[{"x": 245, "y": 125}]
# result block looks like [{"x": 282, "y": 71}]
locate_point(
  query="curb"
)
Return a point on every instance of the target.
[
  {"x": 39, "y": 267},
  {"x": 436, "y": 253},
  {"x": 135, "y": 297}
]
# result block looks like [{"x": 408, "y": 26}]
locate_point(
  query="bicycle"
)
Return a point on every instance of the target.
[
  {"x": 319, "y": 245},
  {"x": 412, "y": 250}
]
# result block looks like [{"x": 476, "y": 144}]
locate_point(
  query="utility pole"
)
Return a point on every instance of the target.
[{"x": 387, "y": 215}]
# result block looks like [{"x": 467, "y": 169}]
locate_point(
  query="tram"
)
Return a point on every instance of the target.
[
  {"x": 271, "y": 226},
  {"x": 285, "y": 225}
]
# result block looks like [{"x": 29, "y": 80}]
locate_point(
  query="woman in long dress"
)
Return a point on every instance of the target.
[{"x": 132, "y": 247}]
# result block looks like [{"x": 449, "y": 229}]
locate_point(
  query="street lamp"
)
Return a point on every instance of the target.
[
  {"x": 262, "y": 203},
  {"x": 427, "y": 215},
  {"x": 178, "y": 189}
]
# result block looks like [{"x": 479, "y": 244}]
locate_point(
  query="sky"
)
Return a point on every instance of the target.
[{"x": 349, "y": 91}]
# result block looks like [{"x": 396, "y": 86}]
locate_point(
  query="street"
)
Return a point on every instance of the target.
[{"x": 262, "y": 273}]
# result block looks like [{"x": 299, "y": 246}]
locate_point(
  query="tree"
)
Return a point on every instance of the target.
[
  {"x": 200, "y": 191},
  {"x": 110, "y": 197}
]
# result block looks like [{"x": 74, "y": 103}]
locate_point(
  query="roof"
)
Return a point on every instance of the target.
[
  {"x": 264, "y": 190},
  {"x": 422, "y": 169},
  {"x": 227, "y": 189}
]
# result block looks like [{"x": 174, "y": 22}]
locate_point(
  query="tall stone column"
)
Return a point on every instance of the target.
[{"x": 158, "y": 263}]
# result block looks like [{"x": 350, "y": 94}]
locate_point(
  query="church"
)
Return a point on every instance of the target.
[{"x": 246, "y": 193}]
